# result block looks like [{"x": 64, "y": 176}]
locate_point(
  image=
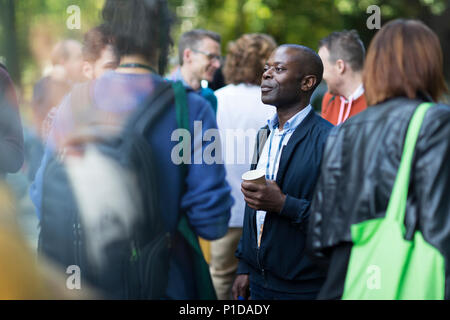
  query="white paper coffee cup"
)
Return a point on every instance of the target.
[{"x": 255, "y": 176}]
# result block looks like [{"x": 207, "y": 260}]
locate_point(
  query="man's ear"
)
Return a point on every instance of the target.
[
  {"x": 308, "y": 82},
  {"x": 88, "y": 70},
  {"x": 340, "y": 66},
  {"x": 187, "y": 55}
]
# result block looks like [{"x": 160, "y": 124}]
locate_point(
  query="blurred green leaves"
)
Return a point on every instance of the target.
[{"x": 38, "y": 24}]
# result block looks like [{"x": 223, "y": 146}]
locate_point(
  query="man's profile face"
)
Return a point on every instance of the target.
[
  {"x": 107, "y": 61},
  {"x": 74, "y": 63},
  {"x": 281, "y": 78},
  {"x": 203, "y": 66},
  {"x": 330, "y": 73}
]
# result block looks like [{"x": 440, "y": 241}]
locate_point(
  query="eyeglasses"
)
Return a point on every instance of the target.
[{"x": 210, "y": 56}]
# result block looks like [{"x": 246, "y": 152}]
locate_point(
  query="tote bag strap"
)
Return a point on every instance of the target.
[{"x": 396, "y": 209}]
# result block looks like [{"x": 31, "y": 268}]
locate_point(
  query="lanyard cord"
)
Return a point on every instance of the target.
[
  {"x": 139, "y": 66},
  {"x": 341, "y": 110},
  {"x": 268, "y": 176}
]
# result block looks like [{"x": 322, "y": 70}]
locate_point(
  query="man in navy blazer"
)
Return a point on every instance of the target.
[{"x": 272, "y": 259}]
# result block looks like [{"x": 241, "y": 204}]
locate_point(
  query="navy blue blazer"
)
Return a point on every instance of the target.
[{"x": 280, "y": 263}]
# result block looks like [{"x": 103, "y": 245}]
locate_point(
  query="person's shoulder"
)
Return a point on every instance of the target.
[
  {"x": 321, "y": 128},
  {"x": 328, "y": 98},
  {"x": 207, "y": 91},
  {"x": 440, "y": 109},
  {"x": 321, "y": 123},
  {"x": 209, "y": 95},
  {"x": 224, "y": 90},
  {"x": 439, "y": 116},
  {"x": 196, "y": 102}
]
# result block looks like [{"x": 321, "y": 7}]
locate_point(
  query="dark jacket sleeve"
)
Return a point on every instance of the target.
[
  {"x": 295, "y": 209},
  {"x": 243, "y": 267},
  {"x": 11, "y": 133},
  {"x": 207, "y": 199},
  {"x": 324, "y": 196},
  {"x": 431, "y": 182}
]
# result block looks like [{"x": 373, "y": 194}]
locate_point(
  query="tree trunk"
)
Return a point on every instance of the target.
[{"x": 8, "y": 48}]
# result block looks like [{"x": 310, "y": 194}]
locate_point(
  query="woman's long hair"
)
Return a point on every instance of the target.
[{"x": 404, "y": 59}]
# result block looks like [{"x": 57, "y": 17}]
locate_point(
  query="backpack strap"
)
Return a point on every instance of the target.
[
  {"x": 204, "y": 285},
  {"x": 152, "y": 108}
]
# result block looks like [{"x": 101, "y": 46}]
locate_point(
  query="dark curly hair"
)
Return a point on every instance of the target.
[
  {"x": 246, "y": 58},
  {"x": 140, "y": 27}
]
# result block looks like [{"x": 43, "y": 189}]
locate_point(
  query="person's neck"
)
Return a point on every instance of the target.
[
  {"x": 190, "y": 79},
  {"x": 351, "y": 84},
  {"x": 134, "y": 59},
  {"x": 286, "y": 112}
]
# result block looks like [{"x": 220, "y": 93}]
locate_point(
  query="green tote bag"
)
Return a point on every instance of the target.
[{"x": 383, "y": 264}]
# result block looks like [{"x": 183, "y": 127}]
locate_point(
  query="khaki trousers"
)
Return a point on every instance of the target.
[{"x": 223, "y": 264}]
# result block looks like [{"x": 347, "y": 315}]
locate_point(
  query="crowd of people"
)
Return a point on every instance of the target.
[{"x": 112, "y": 201}]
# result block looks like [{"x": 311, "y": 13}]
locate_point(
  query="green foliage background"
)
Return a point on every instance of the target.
[{"x": 29, "y": 27}]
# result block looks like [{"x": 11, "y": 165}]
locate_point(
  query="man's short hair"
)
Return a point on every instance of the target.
[
  {"x": 61, "y": 51},
  {"x": 192, "y": 39},
  {"x": 345, "y": 45},
  {"x": 95, "y": 41},
  {"x": 311, "y": 62}
]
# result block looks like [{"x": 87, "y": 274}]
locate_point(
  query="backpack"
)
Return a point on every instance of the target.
[{"x": 118, "y": 244}]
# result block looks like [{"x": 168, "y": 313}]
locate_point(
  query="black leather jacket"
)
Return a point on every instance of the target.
[{"x": 358, "y": 170}]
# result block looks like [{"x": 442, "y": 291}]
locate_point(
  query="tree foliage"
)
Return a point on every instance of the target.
[{"x": 29, "y": 28}]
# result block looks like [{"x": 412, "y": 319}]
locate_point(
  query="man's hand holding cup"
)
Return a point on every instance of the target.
[{"x": 262, "y": 194}]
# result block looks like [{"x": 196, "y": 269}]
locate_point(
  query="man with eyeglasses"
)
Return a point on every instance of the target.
[{"x": 199, "y": 56}]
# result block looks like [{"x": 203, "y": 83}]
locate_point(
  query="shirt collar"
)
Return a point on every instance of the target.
[
  {"x": 355, "y": 95},
  {"x": 177, "y": 76},
  {"x": 292, "y": 123}
]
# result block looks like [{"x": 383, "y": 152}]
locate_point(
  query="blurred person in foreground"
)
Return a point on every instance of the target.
[
  {"x": 22, "y": 277},
  {"x": 342, "y": 54},
  {"x": 98, "y": 56},
  {"x": 11, "y": 134},
  {"x": 67, "y": 59},
  {"x": 403, "y": 69},
  {"x": 48, "y": 92},
  {"x": 141, "y": 33},
  {"x": 240, "y": 114},
  {"x": 272, "y": 260}
]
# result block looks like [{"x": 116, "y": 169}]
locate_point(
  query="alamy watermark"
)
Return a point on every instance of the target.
[
  {"x": 374, "y": 20},
  {"x": 73, "y": 282},
  {"x": 73, "y": 22},
  {"x": 374, "y": 279},
  {"x": 213, "y": 146}
]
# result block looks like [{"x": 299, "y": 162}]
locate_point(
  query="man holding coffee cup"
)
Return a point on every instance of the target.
[{"x": 272, "y": 261}]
